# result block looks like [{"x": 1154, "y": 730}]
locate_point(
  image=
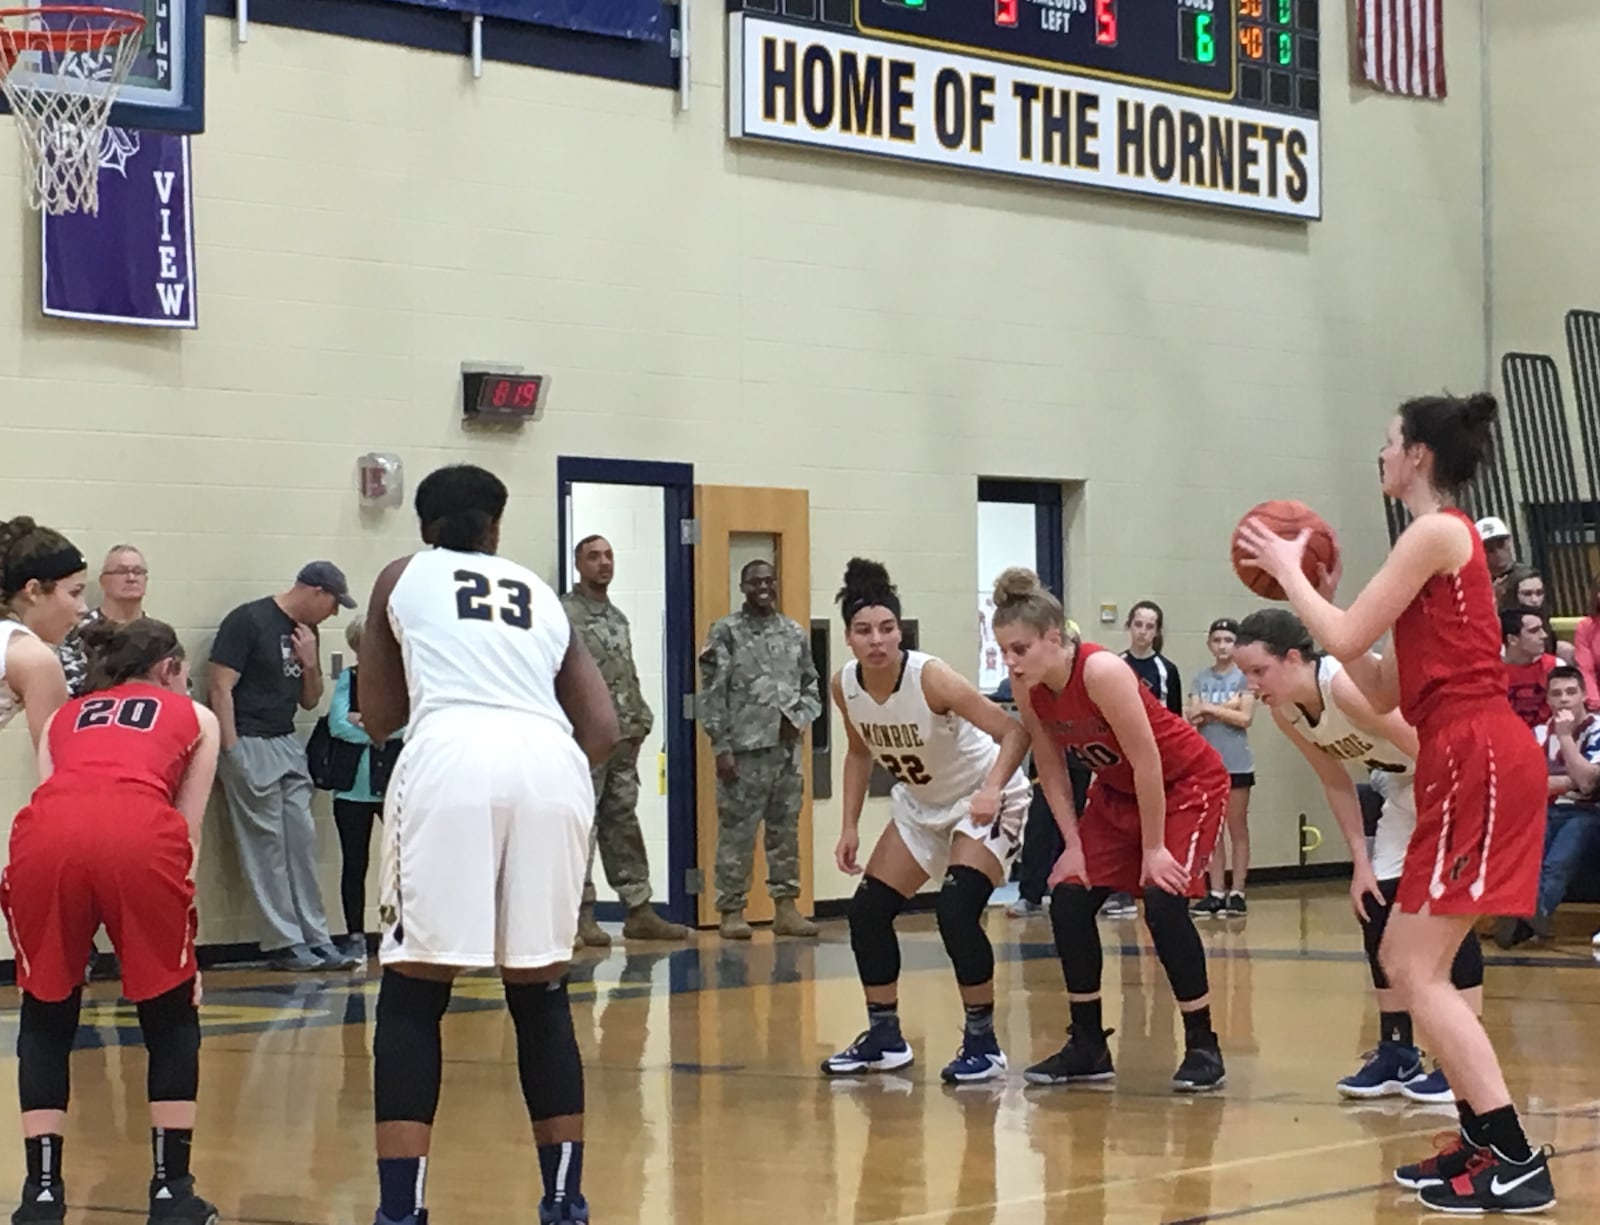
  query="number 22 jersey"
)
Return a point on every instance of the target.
[
  {"x": 1076, "y": 724},
  {"x": 477, "y": 630}
]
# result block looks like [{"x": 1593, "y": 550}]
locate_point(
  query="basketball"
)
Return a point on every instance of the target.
[{"x": 1288, "y": 519}]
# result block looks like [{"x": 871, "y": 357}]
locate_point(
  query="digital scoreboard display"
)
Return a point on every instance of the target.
[
  {"x": 1212, "y": 102},
  {"x": 1263, "y": 52}
]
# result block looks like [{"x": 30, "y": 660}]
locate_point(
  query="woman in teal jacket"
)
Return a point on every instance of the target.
[{"x": 354, "y": 810}]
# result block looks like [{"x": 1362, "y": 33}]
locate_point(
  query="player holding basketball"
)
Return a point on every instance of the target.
[
  {"x": 110, "y": 837},
  {"x": 486, "y": 826},
  {"x": 1156, "y": 805},
  {"x": 959, "y": 801},
  {"x": 1324, "y": 715},
  {"x": 1481, "y": 780},
  {"x": 42, "y": 579}
]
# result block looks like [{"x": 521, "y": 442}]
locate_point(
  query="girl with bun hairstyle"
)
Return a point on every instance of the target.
[
  {"x": 42, "y": 579},
  {"x": 958, "y": 806},
  {"x": 110, "y": 836},
  {"x": 1480, "y": 779},
  {"x": 1151, "y": 821}
]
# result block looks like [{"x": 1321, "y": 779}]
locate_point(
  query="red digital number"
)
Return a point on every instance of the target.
[
  {"x": 1105, "y": 22},
  {"x": 502, "y": 392},
  {"x": 1005, "y": 12},
  {"x": 526, "y": 393}
]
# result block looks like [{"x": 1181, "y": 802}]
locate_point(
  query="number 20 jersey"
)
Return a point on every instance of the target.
[
  {"x": 941, "y": 758},
  {"x": 477, "y": 630},
  {"x": 1076, "y": 724}
]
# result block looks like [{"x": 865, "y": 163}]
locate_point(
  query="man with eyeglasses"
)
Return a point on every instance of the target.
[{"x": 123, "y": 577}]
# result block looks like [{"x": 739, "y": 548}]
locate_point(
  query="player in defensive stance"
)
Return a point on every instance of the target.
[
  {"x": 486, "y": 826},
  {"x": 1481, "y": 779},
  {"x": 1158, "y": 799},
  {"x": 42, "y": 577},
  {"x": 959, "y": 803},
  {"x": 110, "y": 837},
  {"x": 1326, "y": 717}
]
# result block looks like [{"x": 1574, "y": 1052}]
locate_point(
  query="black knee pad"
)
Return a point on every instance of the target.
[
  {"x": 547, "y": 1050},
  {"x": 171, "y": 1027},
  {"x": 1466, "y": 971},
  {"x": 406, "y": 1058},
  {"x": 873, "y": 910},
  {"x": 45, "y": 1033},
  {"x": 1072, "y": 918},
  {"x": 960, "y": 912},
  {"x": 1376, "y": 923},
  {"x": 1178, "y": 944}
]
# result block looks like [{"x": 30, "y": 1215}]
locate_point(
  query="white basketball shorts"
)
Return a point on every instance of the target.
[
  {"x": 1396, "y": 824},
  {"x": 928, "y": 831},
  {"x": 486, "y": 837}
]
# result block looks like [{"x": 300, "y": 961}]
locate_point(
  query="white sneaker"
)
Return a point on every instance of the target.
[
  {"x": 1596, "y": 940},
  {"x": 1022, "y": 908}
]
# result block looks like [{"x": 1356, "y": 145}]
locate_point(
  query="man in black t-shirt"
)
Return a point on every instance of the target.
[{"x": 265, "y": 665}]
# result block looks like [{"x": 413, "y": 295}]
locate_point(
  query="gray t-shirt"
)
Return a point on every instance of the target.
[{"x": 1232, "y": 742}]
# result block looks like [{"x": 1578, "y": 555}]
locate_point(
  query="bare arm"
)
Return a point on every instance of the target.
[
  {"x": 47, "y": 766},
  {"x": 385, "y": 702},
  {"x": 1238, "y": 711},
  {"x": 1378, "y": 679},
  {"x": 948, "y": 692},
  {"x": 1113, "y": 687},
  {"x": 219, "y": 686},
  {"x": 311, "y": 673},
  {"x": 1337, "y": 786},
  {"x": 1431, "y": 544},
  {"x": 195, "y": 789},
  {"x": 1051, "y": 765},
  {"x": 33, "y": 672},
  {"x": 857, "y": 765},
  {"x": 582, "y": 692}
]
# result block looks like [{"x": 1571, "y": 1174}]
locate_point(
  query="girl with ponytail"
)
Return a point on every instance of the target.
[{"x": 42, "y": 579}]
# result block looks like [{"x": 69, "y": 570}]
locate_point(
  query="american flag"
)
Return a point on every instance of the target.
[{"x": 1401, "y": 46}]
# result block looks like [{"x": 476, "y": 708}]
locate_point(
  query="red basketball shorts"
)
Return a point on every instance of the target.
[
  {"x": 1113, "y": 846},
  {"x": 1481, "y": 789},
  {"x": 78, "y": 861}
]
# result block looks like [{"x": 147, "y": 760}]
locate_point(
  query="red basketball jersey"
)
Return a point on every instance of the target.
[
  {"x": 134, "y": 734},
  {"x": 1447, "y": 641},
  {"x": 1075, "y": 723}
]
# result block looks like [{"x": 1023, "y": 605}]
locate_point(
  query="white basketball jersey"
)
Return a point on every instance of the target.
[
  {"x": 1339, "y": 738},
  {"x": 9, "y": 702},
  {"x": 939, "y": 758},
  {"x": 477, "y": 630}
]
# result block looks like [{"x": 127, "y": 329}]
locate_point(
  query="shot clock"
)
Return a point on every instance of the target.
[{"x": 502, "y": 394}]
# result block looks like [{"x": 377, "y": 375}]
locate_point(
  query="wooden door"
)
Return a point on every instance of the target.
[{"x": 729, "y": 517}]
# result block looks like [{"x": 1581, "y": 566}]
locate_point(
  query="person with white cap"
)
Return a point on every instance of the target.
[{"x": 1500, "y": 552}]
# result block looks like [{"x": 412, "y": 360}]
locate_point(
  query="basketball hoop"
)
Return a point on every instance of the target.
[{"x": 61, "y": 67}]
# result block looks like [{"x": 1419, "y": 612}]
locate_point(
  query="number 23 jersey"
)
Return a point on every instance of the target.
[
  {"x": 477, "y": 630},
  {"x": 1076, "y": 724},
  {"x": 939, "y": 758}
]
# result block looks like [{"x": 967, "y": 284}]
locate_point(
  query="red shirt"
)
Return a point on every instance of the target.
[
  {"x": 1075, "y": 723},
  {"x": 1447, "y": 641},
  {"x": 136, "y": 734},
  {"x": 1526, "y": 685}
]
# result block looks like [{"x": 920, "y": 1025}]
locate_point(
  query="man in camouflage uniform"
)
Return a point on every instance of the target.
[
  {"x": 604, "y": 630},
  {"x": 758, "y": 694}
]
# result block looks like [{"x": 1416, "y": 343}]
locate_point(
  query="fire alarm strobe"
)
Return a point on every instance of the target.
[{"x": 501, "y": 393}]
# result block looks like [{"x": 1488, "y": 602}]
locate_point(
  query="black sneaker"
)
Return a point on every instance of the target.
[
  {"x": 175, "y": 1203},
  {"x": 1201, "y": 1070},
  {"x": 1081, "y": 1060},
  {"x": 1235, "y": 905},
  {"x": 1209, "y": 906},
  {"x": 41, "y": 1203},
  {"x": 1450, "y": 1161},
  {"x": 1492, "y": 1183}
]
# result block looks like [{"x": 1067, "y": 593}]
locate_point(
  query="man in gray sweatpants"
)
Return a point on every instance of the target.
[{"x": 264, "y": 663}]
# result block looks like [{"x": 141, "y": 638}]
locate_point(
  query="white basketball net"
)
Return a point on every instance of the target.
[{"x": 64, "y": 73}]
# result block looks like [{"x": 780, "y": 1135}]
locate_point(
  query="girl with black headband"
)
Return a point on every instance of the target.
[
  {"x": 959, "y": 803},
  {"x": 42, "y": 579}
]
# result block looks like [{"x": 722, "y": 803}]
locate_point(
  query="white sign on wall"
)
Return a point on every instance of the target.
[{"x": 806, "y": 86}]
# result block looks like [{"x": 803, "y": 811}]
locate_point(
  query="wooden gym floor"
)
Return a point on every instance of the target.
[{"x": 706, "y": 1107}]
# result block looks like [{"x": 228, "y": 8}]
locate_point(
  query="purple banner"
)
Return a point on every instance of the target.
[{"x": 134, "y": 261}]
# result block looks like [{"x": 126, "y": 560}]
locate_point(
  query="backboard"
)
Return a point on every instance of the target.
[{"x": 165, "y": 90}]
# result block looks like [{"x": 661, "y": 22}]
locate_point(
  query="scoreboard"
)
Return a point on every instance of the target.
[
  {"x": 1263, "y": 52},
  {"x": 1200, "y": 101}
]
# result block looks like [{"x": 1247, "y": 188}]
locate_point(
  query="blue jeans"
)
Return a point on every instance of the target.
[{"x": 1571, "y": 836}]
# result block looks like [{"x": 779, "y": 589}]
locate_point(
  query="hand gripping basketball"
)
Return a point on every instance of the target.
[{"x": 1275, "y": 539}]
